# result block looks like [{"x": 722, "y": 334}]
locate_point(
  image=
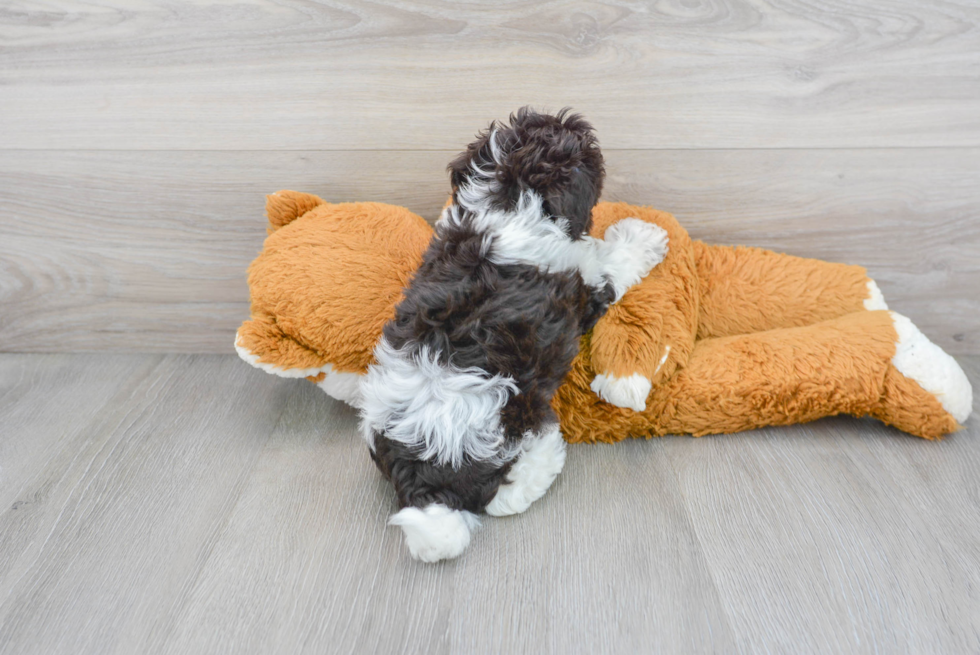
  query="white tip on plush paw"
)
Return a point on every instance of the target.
[
  {"x": 436, "y": 532},
  {"x": 639, "y": 246},
  {"x": 542, "y": 459},
  {"x": 630, "y": 392},
  {"x": 874, "y": 300},
  {"x": 923, "y": 361}
]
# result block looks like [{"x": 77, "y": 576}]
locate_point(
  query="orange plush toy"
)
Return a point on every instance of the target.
[{"x": 716, "y": 339}]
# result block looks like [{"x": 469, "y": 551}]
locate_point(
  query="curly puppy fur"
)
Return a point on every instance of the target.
[{"x": 490, "y": 324}]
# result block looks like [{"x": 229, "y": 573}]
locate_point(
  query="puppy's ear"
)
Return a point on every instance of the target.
[
  {"x": 574, "y": 200},
  {"x": 478, "y": 157},
  {"x": 459, "y": 168}
]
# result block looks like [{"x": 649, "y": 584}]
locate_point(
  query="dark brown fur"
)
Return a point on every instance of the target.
[
  {"x": 512, "y": 320},
  {"x": 556, "y": 156}
]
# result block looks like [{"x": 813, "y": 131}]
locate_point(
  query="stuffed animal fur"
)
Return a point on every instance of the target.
[{"x": 717, "y": 339}]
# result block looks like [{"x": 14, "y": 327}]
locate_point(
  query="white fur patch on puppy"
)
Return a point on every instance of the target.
[
  {"x": 435, "y": 532},
  {"x": 634, "y": 247},
  {"x": 630, "y": 392},
  {"x": 444, "y": 412},
  {"x": 527, "y": 236},
  {"x": 541, "y": 461},
  {"x": 874, "y": 300},
  {"x": 482, "y": 184},
  {"x": 628, "y": 253},
  {"x": 936, "y": 371}
]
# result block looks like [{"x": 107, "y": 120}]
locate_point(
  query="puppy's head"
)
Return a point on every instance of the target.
[{"x": 556, "y": 157}]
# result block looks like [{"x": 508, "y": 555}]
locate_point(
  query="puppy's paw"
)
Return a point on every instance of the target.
[
  {"x": 541, "y": 461},
  {"x": 638, "y": 246},
  {"x": 630, "y": 392},
  {"x": 435, "y": 532}
]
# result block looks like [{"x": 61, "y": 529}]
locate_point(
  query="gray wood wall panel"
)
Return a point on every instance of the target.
[
  {"x": 139, "y": 138},
  {"x": 425, "y": 74},
  {"x": 147, "y": 251}
]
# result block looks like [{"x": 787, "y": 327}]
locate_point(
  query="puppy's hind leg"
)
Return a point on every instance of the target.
[
  {"x": 438, "y": 502},
  {"x": 435, "y": 532},
  {"x": 541, "y": 460}
]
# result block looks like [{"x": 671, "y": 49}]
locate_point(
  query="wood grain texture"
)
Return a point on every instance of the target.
[
  {"x": 198, "y": 505},
  {"x": 177, "y": 504},
  {"x": 818, "y": 547},
  {"x": 147, "y": 251},
  {"x": 324, "y": 569},
  {"x": 424, "y": 74},
  {"x": 115, "y": 524}
]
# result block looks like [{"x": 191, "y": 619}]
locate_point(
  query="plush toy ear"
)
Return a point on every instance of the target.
[{"x": 283, "y": 207}]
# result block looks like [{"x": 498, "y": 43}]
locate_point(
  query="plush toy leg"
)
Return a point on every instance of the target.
[
  {"x": 635, "y": 248},
  {"x": 747, "y": 290},
  {"x": 541, "y": 461},
  {"x": 920, "y": 365},
  {"x": 644, "y": 338},
  {"x": 850, "y": 365}
]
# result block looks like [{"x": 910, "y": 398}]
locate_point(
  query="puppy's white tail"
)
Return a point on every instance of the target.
[{"x": 435, "y": 532}]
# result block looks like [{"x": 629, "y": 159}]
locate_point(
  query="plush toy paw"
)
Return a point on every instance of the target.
[
  {"x": 638, "y": 246},
  {"x": 875, "y": 300},
  {"x": 932, "y": 368},
  {"x": 435, "y": 532},
  {"x": 630, "y": 392},
  {"x": 541, "y": 461}
]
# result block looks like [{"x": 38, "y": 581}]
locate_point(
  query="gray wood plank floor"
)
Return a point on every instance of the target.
[{"x": 183, "y": 504}]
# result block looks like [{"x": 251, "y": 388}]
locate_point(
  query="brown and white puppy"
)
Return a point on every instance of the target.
[{"x": 456, "y": 409}]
